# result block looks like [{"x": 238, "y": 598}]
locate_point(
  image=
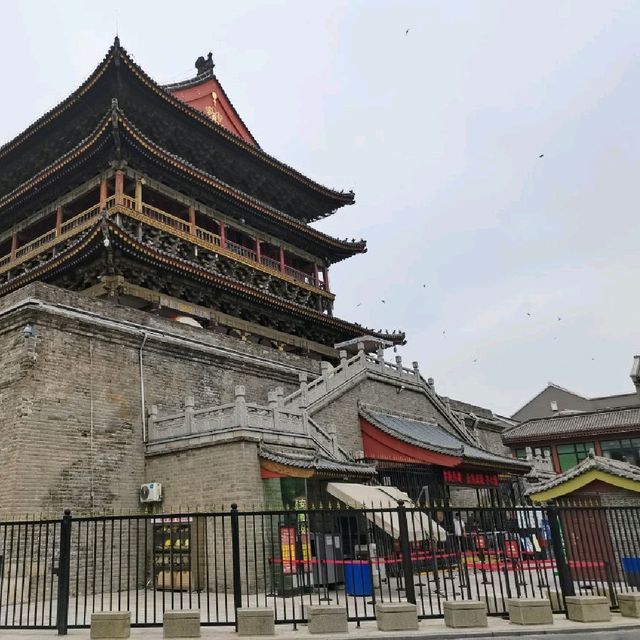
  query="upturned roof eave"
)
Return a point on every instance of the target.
[
  {"x": 117, "y": 55},
  {"x": 341, "y": 249},
  {"x": 88, "y": 240}
]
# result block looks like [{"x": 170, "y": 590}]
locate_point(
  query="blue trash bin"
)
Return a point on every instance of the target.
[
  {"x": 631, "y": 568},
  {"x": 357, "y": 579}
]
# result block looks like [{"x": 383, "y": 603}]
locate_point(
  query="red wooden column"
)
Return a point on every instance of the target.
[
  {"x": 138, "y": 194},
  {"x": 281, "y": 258},
  {"x": 192, "y": 221},
  {"x": 325, "y": 275},
  {"x": 14, "y": 245},
  {"x": 223, "y": 235},
  {"x": 103, "y": 193},
  {"x": 58, "y": 220},
  {"x": 258, "y": 251},
  {"x": 119, "y": 186}
]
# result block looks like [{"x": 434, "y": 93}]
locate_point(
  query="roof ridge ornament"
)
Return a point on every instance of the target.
[{"x": 205, "y": 66}]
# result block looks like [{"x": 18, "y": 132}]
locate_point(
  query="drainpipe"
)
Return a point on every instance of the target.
[{"x": 142, "y": 407}]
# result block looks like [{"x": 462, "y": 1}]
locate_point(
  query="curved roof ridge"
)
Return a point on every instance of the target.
[
  {"x": 591, "y": 462},
  {"x": 62, "y": 105},
  {"x": 74, "y": 152},
  {"x": 357, "y": 246},
  {"x": 120, "y": 54},
  {"x": 348, "y": 197},
  {"x": 280, "y": 216}
]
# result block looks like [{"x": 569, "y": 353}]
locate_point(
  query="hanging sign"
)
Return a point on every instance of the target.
[
  {"x": 288, "y": 549},
  {"x": 471, "y": 478}
]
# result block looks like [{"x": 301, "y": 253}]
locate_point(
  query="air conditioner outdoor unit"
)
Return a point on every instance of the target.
[{"x": 151, "y": 492}]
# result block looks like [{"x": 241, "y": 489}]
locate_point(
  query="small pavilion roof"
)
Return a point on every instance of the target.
[{"x": 615, "y": 472}]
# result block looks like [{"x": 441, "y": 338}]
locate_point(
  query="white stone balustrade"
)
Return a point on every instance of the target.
[
  {"x": 239, "y": 414},
  {"x": 286, "y": 415}
]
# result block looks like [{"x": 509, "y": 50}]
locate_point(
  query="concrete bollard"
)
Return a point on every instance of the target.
[
  {"x": 326, "y": 618},
  {"x": 181, "y": 623},
  {"x": 256, "y": 621},
  {"x": 588, "y": 608},
  {"x": 530, "y": 611},
  {"x": 465, "y": 613},
  {"x": 629, "y": 604},
  {"x": 110, "y": 624},
  {"x": 396, "y": 616}
]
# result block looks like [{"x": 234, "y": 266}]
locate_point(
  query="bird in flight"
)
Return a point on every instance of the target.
[
  {"x": 406, "y": 32},
  {"x": 559, "y": 318},
  {"x": 359, "y": 303},
  {"x": 383, "y": 301},
  {"x": 424, "y": 286},
  {"x": 528, "y": 314},
  {"x": 541, "y": 155}
]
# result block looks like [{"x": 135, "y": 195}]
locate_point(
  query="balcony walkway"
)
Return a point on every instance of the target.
[{"x": 162, "y": 220}]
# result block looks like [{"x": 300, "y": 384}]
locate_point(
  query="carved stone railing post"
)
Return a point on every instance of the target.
[
  {"x": 189, "y": 404},
  {"x": 432, "y": 383},
  {"x": 240, "y": 410},
  {"x": 343, "y": 358},
  {"x": 416, "y": 369},
  {"x": 399, "y": 365},
  {"x": 380, "y": 356},
  {"x": 325, "y": 368},
  {"x": 304, "y": 400},
  {"x": 361, "y": 354},
  {"x": 280, "y": 396},
  {"x": 272, "y": 399}
]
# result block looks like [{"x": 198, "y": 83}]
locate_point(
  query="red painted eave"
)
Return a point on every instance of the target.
[{"x": 379, "y": 445}]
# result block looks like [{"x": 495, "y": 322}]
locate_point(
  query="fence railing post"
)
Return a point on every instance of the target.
[
  {"x": 235, "y": 555},
  {"x": 564, "y": 572},
  {"x": 64, "y": 561},
  {"x": 405, "y": 550}
]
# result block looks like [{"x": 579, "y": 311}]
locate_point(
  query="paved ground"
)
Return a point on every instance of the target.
[{"x": 618, "y": 629}]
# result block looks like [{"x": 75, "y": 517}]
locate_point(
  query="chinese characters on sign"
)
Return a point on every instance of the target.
[
  {"x": 471, "y": 478},
  {"x": 288, "y": 549}
]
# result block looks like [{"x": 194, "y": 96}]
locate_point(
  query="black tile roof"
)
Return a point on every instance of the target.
[
  {"x": 312, "y": 460},
  {"x": 591, "y": 422},
  {"x": 433, "y": 437}
]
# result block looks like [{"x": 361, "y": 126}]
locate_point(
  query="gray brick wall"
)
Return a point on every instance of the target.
[{"x": 70, "y": 401}]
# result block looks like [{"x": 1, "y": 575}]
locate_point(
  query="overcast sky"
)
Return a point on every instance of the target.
[{"x": 531, "y": 265}]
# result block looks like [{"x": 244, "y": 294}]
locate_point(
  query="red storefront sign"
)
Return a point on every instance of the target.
[
  {"x": 288, "y": 549},
  {"x": 472, "y": 478}
]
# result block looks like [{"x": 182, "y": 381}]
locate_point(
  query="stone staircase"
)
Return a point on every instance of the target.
[
  {"x": 333, "y": 381},
  {"x": 288, "y": 420}
]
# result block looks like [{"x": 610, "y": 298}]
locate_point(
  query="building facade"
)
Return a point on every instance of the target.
[{"x": 167, "y": 316}]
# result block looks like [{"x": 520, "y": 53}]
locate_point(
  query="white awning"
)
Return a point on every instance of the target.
[{"x": 360, "y": 496}]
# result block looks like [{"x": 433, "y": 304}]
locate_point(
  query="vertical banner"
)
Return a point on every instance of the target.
[{"x": 288, "y": 549}]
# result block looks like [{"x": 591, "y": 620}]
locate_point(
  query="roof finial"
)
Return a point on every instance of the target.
[{"x": 205, "y": 65}]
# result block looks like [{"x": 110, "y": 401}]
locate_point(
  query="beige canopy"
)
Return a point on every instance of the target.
[{"x": 360, "y": 496}]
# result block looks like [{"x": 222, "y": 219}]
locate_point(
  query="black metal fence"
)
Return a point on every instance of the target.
[{"x": 55, "y": 573}]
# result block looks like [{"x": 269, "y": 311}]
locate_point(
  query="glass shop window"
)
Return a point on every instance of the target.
[
  {"x": 625, "y": 450},
  {"x": 570, "y": 454}
]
